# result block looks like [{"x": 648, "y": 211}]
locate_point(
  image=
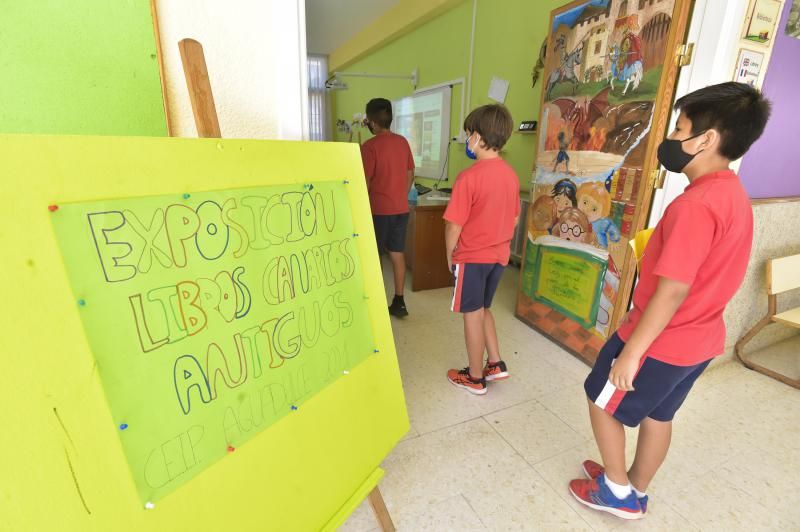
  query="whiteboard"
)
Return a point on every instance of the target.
[{"x": 424, "y": 120}]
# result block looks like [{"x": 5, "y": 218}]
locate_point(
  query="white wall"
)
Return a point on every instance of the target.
[{"x": 256, "y": 56}]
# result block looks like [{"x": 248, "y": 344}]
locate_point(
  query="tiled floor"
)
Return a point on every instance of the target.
[{"x": 502, "y": 461}]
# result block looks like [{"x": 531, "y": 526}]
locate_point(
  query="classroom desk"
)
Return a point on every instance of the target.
[{"x": 425, "y": 251}]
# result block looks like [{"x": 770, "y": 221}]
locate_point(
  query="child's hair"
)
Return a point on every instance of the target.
[
  {"x": 576, "y": 216},
  {"x": 379, "y": 110},
  {"x": 493, "y": 123},
  {"x": 567, "y": 187},
  {"x": 561, "y": 135},
  {"x": 598, "y": 192},
  {"x": 547, "y": 205},
  {"x": 737, "y": 111}
]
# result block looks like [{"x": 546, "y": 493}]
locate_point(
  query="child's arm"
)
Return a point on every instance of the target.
[
  {"x": 410, "y": 179},
  {"x": 662, "y": 307},
  {"x": 451, "y": 233}
]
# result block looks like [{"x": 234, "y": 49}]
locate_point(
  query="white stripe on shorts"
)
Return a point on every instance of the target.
[
  {"x": 605, "y": 395},
  {"x": 455, "y": 287}
]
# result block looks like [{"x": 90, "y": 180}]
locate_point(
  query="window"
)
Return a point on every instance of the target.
[
  {"x": 597, "y": 46},
  {"x": 623, "y": 9},
  {"x": 642, "y": 3},
  {"x": 317, "y": 97}
]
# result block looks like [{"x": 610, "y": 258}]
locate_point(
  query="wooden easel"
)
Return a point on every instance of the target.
[{"x": 205, "y": 117}]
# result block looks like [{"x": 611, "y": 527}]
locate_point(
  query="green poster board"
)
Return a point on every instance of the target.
[
  {"x": 213, "y": 315},
  {"x": 104, "y": 318},
  {"x": 569, "y": 281}
]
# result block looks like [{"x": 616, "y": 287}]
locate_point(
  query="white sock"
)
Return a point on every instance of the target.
[
  {"x": 620, "y": 491},
  {"x": 638, "y": 493}
]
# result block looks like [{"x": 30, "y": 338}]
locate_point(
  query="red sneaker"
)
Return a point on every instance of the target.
[
  {"x": 595, "y": 494},
  {"x": 462, "y": 379},
  {"x": 593, "y": 470},
  {"x": 495, "y": 371}
]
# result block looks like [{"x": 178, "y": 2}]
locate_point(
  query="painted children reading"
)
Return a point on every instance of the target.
[{"x": 595, "y": 202}]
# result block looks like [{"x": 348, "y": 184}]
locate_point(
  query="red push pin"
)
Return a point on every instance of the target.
[
  {"x": 52, "y": 208},
  {"x": 231, "y": 448}
]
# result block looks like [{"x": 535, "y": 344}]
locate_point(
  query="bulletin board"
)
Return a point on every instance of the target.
[{"x": 200, "y": 337}]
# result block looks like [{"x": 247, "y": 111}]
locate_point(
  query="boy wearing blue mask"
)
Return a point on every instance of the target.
[
  {"x": 481, "y": 216},
  {"x": 693, "y": 265}
]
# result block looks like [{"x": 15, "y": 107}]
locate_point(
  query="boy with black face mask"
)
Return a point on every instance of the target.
[{"x": 692, "y": 266}]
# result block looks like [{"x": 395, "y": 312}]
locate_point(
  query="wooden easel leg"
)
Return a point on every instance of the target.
[{"x": 379, "y": 508}]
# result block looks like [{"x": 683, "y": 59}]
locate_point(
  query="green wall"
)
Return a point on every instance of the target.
[
  {"x": 79, "y": 67},
  {"x": 508, "y": 35}
]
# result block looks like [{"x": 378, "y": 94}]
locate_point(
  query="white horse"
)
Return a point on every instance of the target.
[{"x": 632, "y": 74}]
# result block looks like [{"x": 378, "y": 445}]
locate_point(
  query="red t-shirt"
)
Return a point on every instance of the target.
[
  {"x": 485, "y": 203},
  {"x": 387, "y": 159},
  {"x": 704, "y": 240}
]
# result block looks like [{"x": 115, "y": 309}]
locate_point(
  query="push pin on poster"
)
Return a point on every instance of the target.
[
  {"x": 375, "y": 351},
  {"x": 187, "y": 196},
  {"x": 82, "y": 302},
  {"x": 231, "y": 448},
  {"x": 355, "y": 235},
  {"x": 294, "y": 407},
  {"x": 123, "y": 426},
  {"x": 52, "y": 208},
  {"x": 346, "y": 182},
  {"x": 308, "y": 186},
  {"x": 345, "y": 372},
  {"x": 149, "y": 505}
]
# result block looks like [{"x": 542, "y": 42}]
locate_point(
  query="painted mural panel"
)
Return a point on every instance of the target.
[{"x": 602, "y": 76}]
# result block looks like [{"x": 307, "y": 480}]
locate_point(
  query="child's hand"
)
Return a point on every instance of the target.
[{"x": 623, "y": 372}]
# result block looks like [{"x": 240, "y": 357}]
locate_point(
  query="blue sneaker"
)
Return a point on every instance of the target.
[
  {"x": 593, "y": 470},
  {"x": 595, "y": 494}
]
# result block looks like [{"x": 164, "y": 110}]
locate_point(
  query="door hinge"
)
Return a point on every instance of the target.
[
  {"x": 657, "y": 178},
  {"x": 683, "y": 54}
]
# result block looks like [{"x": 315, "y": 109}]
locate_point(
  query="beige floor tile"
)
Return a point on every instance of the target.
[
  {"x": 570, "y": 406},
  {"x": 361, "y": 520},
  {"x": 533, "y": 431},
  {"x": 440, "y": 465},
  {"x": 451, "y": 514},
  {"x": 712, "y": 502},
  {"x": 781, "y": 357},
  {"x": 518, "y": 498}
]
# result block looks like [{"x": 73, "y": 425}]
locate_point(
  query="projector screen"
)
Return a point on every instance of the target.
[{"x": 424, "y": 120}]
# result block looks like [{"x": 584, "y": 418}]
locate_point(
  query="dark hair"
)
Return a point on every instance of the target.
[
  {"x": 737, "y": 111},
  {"x": 493, "y": 123},
  {"x": 568, "y": 188},
  {"x": 379, "y": 110}
]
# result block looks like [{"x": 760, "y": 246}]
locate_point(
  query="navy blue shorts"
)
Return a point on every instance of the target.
[
  {"x": 390, "y": 231},
  {"x": 475, "y": 286},
  {"x": 659, "y": 388}
]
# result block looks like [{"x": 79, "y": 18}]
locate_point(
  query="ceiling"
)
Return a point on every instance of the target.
[{"x": 331, "y": 23}]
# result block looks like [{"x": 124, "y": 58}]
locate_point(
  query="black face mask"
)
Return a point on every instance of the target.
[{"x": 672, "y": 156}]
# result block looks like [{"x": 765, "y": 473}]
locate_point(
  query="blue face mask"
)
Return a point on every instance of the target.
[{"x": 471, "y": 154}]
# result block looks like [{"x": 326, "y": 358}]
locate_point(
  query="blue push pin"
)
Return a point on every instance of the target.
[
  {"x": 375, "y": 351},
  {"x": 82, "y": 302},
  {"x": 187, "y": 196},
  {"x": 355, "y": 235},
  {"x": 294, "y": 407},
  {"x": 346, "y": 182},
  {"x": 123, "y": 426}
]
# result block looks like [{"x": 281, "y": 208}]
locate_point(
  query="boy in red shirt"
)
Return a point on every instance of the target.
[
  {"x": 693, "y": 264},
  {"x": 481, "y": 216},
  {"x": 389, "y": 169}
]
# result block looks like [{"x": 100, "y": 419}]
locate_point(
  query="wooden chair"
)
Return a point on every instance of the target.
[{"x": 783, "y": 274}]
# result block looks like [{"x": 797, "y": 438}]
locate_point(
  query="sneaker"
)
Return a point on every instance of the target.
[
  {"x": 462, "y": 379},
  {"x": 593, "y": 470},
  {"x": 398, "y": 308},
  {"x": 595, "y": 494},
  {"x": 495, "y": 371}
]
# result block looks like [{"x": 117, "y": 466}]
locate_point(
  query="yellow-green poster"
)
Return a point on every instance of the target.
[{"x": 213, "y": 315}]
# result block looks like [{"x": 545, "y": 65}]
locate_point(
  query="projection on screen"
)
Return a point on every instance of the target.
[{"x": 424, "y": 120}]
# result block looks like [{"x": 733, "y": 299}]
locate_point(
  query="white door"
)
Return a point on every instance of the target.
[{"x": 715, "y": 29}]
